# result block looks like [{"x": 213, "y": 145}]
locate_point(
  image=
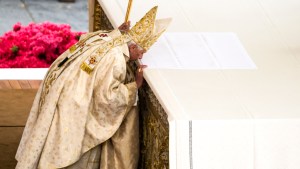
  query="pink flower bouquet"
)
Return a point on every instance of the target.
[{"x": 35, "y": 45}]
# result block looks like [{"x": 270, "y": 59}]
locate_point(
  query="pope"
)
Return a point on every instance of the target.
[{"x": 84, "y": 115}]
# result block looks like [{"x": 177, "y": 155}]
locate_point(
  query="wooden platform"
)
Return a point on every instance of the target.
[
  {"x": 16, "y": 97},
  {"x": 20, "y": 84}
]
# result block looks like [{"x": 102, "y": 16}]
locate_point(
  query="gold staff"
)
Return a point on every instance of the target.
[
  {"x": 128, "y": 10},
  {"x": 138, "y": 63}
]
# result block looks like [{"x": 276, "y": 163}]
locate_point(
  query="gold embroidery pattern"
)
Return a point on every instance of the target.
[
  {"x": 75, "y": 49},
  {"x": 154, "y": 137},
  {"x": 50, "y": 78},
  {"x": 80, "y": 44},
  {"x": 101, "y": 22},
  {"x": 92, "y": 60},
  {"x": 142, "y": 31},
  {"x": 48, "y": 83},
  {"x": 89, "y": 64}
]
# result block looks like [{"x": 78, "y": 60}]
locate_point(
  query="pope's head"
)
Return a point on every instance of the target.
[
  {"x": 135, "y": 51},
  {"x": 147, "y": 30},
  {"x": 144, "y": 33}
]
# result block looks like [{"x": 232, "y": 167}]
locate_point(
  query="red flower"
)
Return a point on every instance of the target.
[
  {"x": 17, "y": 27},
  {"x": 35, "y": 45}
]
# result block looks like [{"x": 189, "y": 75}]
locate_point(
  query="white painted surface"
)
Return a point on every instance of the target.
[
  {"x": 23, "y": 74},
  {"x": 198, "y": 50},
  {"x": 241, "y": 118}
]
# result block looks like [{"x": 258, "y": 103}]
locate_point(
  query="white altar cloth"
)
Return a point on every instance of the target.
[
  {"x": 240, "y": 119},
  {"x": 198, "y": 50},
  {"x": 235, "y": 144},
  {"x": 228, "y": 119}
]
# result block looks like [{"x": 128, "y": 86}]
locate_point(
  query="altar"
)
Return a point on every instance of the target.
[
  {"x": 222, "y": 115},
  {"x": 235, "y": 109}
]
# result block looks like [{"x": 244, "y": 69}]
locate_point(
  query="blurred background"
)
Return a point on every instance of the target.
[
  {"x": 72, "y": 12},
  {"x": 16, "y": 96}
]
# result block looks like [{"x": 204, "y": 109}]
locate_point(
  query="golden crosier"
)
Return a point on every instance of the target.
[{"x": 147, "y": 30}]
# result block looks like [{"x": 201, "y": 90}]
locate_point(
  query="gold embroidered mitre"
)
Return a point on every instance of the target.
[{"x": 147, "y": 30}]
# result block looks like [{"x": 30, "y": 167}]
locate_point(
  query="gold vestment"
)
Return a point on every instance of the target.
[{"x": 75, "y": 112}]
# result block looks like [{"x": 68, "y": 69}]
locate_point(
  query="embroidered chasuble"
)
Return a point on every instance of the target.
[{"x": 83, "y": 116}]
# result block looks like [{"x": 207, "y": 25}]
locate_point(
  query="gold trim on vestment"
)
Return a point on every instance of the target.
[
  {"x": 85, "y": 67},
  {"x": 91, "y": 62}
]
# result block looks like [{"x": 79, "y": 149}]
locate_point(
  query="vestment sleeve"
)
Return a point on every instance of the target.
[{"x": 112, "y": 98}]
